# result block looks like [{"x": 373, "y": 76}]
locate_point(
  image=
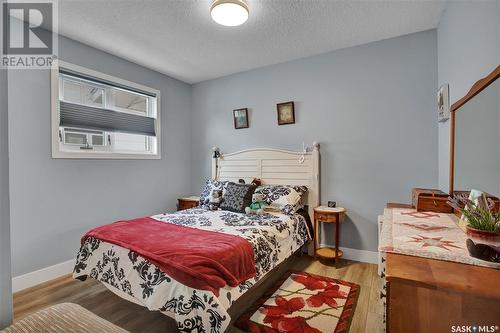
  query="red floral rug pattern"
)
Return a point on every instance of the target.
[{"x": 303, "y": 303}]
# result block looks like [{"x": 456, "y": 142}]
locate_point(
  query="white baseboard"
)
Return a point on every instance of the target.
[
  {"x": 42, "y": 275},
  {"x": 370, "y": 257}
]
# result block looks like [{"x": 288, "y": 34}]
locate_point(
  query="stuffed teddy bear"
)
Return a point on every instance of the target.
[
  {"x": 257, "y": 182},
  {"x": 214, "y": 201},
  {"x": 257, "y": 206}
]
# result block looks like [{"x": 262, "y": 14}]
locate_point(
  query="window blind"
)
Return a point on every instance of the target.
[
  {"x": 83, "y": 116},
  {"x": 106, "y": 82}
]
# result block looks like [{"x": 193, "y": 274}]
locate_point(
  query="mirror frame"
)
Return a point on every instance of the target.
[{"x": 474, "y": 90}]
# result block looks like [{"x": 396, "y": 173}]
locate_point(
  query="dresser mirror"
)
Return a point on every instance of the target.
[{"x": 475, "y": 138}]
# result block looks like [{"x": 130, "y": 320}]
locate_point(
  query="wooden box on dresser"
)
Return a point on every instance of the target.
[
  {"x": 430, "y": 200},
  {"x": 429, "y": 295}
]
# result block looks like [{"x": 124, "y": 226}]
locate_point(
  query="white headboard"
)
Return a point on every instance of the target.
[{"x": 273, "y": 166}]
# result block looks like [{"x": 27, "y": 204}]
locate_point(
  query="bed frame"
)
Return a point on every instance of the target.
[{"x": 273, "y": 166}]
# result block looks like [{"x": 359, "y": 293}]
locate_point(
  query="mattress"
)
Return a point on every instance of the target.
[{"x": 273, "y": 236}]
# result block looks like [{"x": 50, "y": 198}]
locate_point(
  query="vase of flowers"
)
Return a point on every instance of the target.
[{"x": 483, "y": 226}]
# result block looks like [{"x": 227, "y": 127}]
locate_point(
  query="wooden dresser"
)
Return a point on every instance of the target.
[{"x": 429, "y": 295}]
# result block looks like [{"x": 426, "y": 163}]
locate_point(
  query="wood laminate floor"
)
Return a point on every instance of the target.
[{"x": 134, "y": 318}]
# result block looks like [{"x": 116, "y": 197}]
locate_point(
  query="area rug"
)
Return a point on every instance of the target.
[{"x": 303, "y": 303}]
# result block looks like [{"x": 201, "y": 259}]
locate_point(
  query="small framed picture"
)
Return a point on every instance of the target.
[
  {"x": 443, "y": 103},
  {"x": 286, "y": 113},
  {"x": 240, "y": 118}
]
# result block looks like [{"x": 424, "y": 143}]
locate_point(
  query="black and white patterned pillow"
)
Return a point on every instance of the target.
[
  {"x": 210, "y": 186},
  {"x": 237, "y": 197},
  {"x": 286, "y": 198}
]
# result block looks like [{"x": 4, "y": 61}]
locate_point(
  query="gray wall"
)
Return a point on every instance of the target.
[
  {"x": 55, "y": 201},
  {"x": 5, "y": 264},
  {"x": 468, "y": 49},
  {"x": 371, "y": 107}
]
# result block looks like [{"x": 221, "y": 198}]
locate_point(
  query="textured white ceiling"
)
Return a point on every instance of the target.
[{"x": 178, "y": 37}]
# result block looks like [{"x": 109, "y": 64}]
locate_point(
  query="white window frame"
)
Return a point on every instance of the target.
[
  {"x": 111, "y": 99},
  {"x": 55, "y": 116},
  {"x": 74, "y": 147},
  {"x": 80, "y": 81}
]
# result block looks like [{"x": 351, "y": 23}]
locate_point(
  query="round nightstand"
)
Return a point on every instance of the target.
[{"x": 326, "y": 214}]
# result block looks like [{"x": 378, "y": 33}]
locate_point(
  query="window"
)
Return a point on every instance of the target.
[
  {"x": 77, "y": 91},
  {"x": 98, "y": 116}
]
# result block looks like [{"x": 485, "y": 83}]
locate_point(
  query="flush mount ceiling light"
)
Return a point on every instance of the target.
[{"x": 229, "y": 12}]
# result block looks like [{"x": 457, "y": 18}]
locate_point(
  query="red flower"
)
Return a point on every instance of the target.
[
  {"x": 310, "y": 282},
  {"x": 282, "y": 307},
  {"x": 293, "y": 325},
  {"x": 327, "y": 297}
]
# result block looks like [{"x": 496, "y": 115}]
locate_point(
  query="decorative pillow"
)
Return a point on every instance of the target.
[
  {"x": 237, "y": 197},
  {"x": 210, "y": 186},
  {"x": 285, "y": 198}
]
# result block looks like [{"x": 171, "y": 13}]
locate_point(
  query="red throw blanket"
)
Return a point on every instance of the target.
[{"x": 200, "y": 259}]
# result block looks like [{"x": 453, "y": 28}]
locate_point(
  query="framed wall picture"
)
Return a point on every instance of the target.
[
  {"x": 286, "y": 113},
  {"x": 443, "y": 103},
  {"x": 240, "y": 118}
]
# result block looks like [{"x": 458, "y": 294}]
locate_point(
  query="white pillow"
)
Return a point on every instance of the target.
[{"x": 286, "y": 198}]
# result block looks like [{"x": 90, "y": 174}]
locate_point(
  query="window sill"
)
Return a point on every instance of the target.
[{"x": 104, "y": 155}]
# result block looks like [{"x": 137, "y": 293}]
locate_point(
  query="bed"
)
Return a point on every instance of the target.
[{"x": 274, "y": 237}]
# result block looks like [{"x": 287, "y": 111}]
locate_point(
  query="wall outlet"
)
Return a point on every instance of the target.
[{"x": 332, "y": 204}]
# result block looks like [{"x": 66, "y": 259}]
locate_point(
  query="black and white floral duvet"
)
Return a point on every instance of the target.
[{"x": 274, "y": 237}]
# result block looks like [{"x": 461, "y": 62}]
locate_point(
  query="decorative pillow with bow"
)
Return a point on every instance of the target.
[{"x": 212, "y": 185}]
